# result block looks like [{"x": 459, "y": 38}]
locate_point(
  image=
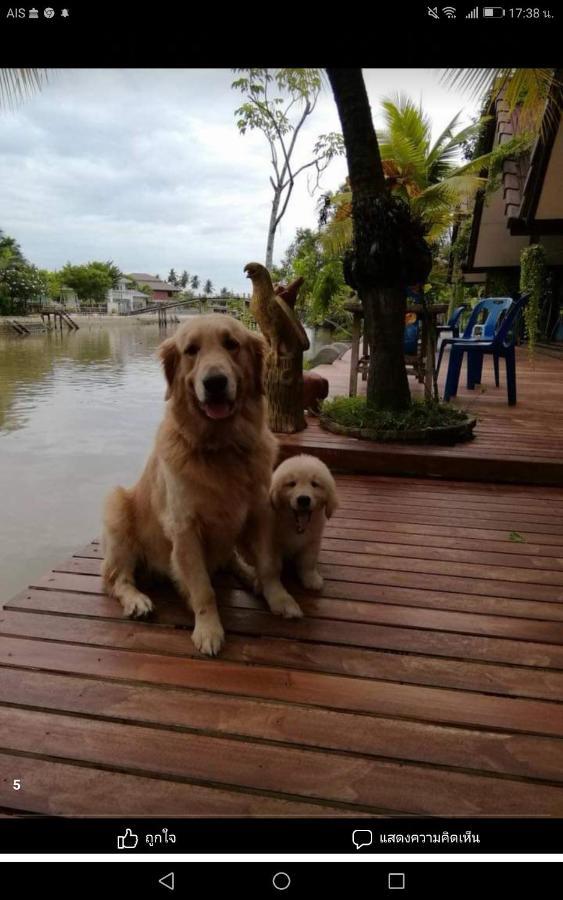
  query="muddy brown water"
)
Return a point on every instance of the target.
[{"x": 78, "y": 413}]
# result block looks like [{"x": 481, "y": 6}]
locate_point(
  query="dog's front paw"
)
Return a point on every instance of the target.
[
  {"x": 136, "y": 606},
  {"x": 283, "y": 604},
  {"x": 312, "y": 580},
  {"x": 208, "y": 637}
]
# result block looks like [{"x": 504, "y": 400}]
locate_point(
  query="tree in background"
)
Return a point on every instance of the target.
[
  {"x": 278, "y": 102},
  {"x": 172, "y": 278},
  {"x": 184, "y": 280},
  {"x": 10, "y": 251},
  {"x": 324, "y": 291},
  {"x": 91, "y": 281},
  {"x": 426, "y": 174},
  {"x": 20, "y": 281},
  {"x": 208, "y": 289},
  {"x": 224, "y": 292},
  {"x": 54, "y": 284},
  {"x": 389, "y": 252},
  {"x": 195, "y": 282}
]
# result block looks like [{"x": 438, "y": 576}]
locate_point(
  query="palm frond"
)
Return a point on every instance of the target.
[
  {"x": 446, "y": 135},
  {"x": 526, "y": 88},
  {"x": 404, "y": 118},
  {"x": 18, "y": 84},
  {"x": 408, "y": 157}
]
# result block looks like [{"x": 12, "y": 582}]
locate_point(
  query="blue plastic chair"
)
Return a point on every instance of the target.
[
  {"x": 502, "y": 344},
  {"x": 453, "y": 322},
  {"x": 484, "y": 317},
  {"x": 410, "y": 339}
]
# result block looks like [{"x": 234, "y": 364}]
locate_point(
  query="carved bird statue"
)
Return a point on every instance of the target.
[{"x": 275, "y": 316}]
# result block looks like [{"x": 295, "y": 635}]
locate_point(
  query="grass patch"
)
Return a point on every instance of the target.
[{"x": 352, "y": 412}]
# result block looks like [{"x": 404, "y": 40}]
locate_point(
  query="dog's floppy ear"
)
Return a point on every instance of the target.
[
  {"x": 331, "y": 498},
  {"x": 170, "y": 358},
  {"x": 275, "y": 491},
  {"x": 258, "y": 349},
  {"x": 275, "y": 495}
]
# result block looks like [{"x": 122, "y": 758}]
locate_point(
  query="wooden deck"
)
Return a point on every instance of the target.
[
  {"x": 522, "y": 443},
  {"x": 426, "y": 680}
]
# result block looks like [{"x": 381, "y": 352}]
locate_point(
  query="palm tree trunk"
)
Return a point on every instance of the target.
[{"x": 384, "y": 306}]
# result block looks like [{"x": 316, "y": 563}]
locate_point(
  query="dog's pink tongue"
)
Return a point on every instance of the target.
[{"x": 217, "y": 410}]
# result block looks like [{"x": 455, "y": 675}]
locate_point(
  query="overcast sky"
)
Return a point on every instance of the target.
[{"x": 146, "y": 167}]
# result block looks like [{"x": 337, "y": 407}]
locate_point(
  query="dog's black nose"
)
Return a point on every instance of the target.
[
  {"x": 303, "y": 502},
  {"x": 215, "y": 384}
]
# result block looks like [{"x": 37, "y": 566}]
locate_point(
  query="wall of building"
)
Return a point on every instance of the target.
[
  {"x": 496, "y": 247},
  {"x": 550, "y": 204}
]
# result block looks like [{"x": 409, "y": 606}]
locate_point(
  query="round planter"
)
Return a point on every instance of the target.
[{"x": 444, "y": 434}]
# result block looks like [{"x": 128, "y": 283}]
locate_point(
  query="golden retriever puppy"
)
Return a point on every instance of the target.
[
  {"x": 206, "y": 484},
  {"x": 303, "y": 495}
]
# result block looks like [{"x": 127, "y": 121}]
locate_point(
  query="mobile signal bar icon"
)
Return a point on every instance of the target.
[
  {"x": 449, "y": 12},
  {"x": 474, "y": 14}
]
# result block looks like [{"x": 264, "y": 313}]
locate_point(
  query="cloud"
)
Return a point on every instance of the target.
[{"x": 146, "y": 167}]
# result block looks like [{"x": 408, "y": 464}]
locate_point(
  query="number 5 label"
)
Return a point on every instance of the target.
[{"x": 17, "y": 784}]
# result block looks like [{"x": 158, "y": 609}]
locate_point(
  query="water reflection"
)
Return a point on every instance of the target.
[{"x": 77, "y": 414}]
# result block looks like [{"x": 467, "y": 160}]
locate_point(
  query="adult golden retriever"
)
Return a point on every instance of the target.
[
  {"x": 205, "y": 487},
  {"x": 303, "y": 495}
]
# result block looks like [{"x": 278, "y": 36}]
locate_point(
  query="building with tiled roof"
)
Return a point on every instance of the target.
[{"x": 160, "y": 290}]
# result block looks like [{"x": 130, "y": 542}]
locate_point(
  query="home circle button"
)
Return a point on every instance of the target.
[{"x": 281, "y": 881}]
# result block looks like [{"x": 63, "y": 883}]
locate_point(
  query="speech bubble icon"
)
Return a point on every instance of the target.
[{"x": 361, "y": 838}]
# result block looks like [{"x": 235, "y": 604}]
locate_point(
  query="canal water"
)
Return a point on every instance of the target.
[{"x": 78, "y": 412}]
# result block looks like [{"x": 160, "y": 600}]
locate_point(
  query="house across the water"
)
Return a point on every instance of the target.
[
  {"x": 126, "y": 297},
  {"x": 160, "y": 290}
]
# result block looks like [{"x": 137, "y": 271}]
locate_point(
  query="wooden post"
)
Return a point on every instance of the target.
[{"x": 283, "y": 383}]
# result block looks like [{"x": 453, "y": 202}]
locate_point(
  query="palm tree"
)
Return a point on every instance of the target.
[
  {"x": 427, "y": 175},
  {"x": 382, "y": 294},
  {"x": 208, "y": 289}
]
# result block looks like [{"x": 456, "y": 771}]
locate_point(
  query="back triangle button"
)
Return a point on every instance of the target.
[{"x": 167, "y": 881}]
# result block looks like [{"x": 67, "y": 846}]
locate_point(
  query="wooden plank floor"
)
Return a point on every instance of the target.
[
  {"x": 522, "y": 443},
  {"x": 426, "y": 679}
]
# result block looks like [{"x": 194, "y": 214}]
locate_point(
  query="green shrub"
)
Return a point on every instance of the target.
[{"x": 353, "y": 412}]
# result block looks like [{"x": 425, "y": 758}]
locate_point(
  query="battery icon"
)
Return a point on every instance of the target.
[{"x": 493, "y": 12}]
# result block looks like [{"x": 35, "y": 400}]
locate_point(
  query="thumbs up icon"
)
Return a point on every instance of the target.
[{"x": 127, "y": 841}]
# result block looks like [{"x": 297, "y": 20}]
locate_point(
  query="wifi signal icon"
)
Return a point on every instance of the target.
[{"x": 449, "y": 12}]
